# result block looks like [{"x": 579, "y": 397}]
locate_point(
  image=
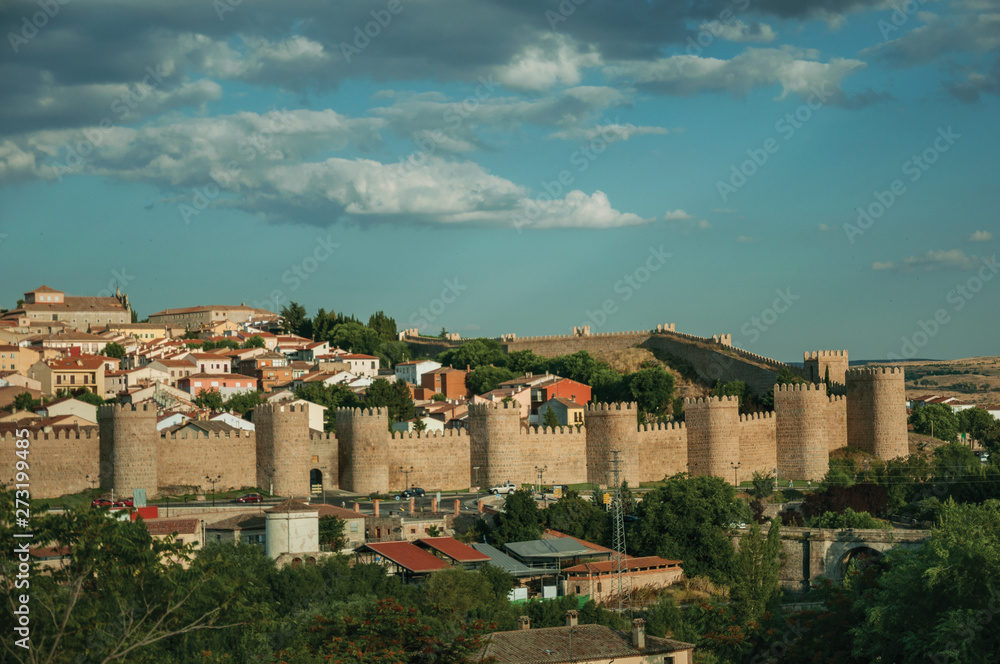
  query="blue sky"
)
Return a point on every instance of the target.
[{"x": 636, "y": 163}]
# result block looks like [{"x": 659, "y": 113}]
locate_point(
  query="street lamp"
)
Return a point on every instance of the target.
[
  {"x": 214, "y": 481},
  {"x": 541, "y": 472},
  {"x": 93, "y": 481},
  {"x": 407, "y": 473},
  {"x": 736, "y": 470},
  {"x": 476, "y": 468}
]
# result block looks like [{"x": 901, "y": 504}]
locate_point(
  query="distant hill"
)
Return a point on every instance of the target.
[{"x": 972, "y": 379}]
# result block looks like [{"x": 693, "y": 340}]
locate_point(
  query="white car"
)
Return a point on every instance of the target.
[{"x": 506, "y": 487}]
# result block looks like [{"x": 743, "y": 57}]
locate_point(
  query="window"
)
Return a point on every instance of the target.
[
  {"x": 354, "y": 526},
  {"x": 598, "y": 586},
  {"x": 578, "y": 590},
  {"x": 413, "y": 531}
]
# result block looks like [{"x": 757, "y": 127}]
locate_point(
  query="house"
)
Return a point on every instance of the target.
[
  {"x": 362, "y": 365},
  {"x": 235, "y": 421},
  {"x": 18, "y": 358},
  {"x": 185, "y": 531},
  {"x": 453, "y": 552},
  {"x": 162, "y": 394},
  {"x": 545, "y": 387},
  {"x": 993, "y": 410},
  {"x": 168, "y": 420},
  {"x": 311, "y": 351},
  {"x": 354, "y": 524},
  {"x": 270, "y": 369},
  {"x": 10, "y": 392},
  {"x": 72, "y": 373},
  {"x": 409, "y": 426},
  {"x": 403, "y": 558},
  {"x": 83, "y": 413},
  {"x": 72, "y": 342},
  {"x": 596, "y": 579},
  {"x": 195, "y": 317},
  {"x": 16, "y": 379},
  {"x": 569, "y": 413},
  {"x": 48, "y": 305},
  {"x": 447, "y": 381},
  {"x": 174, "y": 368},
  {"x": 210, "y": 363},
  {"x": 250, "y": 528},
  {"x": 226, "y": 384},
  {"x": 144, "y": 331},
  {"x": 582, "y": 644},
  {"x": 413, "y": 371}
]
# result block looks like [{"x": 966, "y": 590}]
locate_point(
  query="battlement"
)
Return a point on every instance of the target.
[
  {"x": 194, "y": 435},
  {"x": 836, "y": 398},
  {"x": 801, "y": 387},
  {"x": 486, "y": 408},
  {"x": 663, "y": 426},
  {"x": 126, "y": 410},
  {"x": 363, "y": 412},
  {"x": 449, "y": 433},
  {"x": 758, "y": 416},
  {"x": 710, "y": 402},
  {"x": 322, "y": 435},
  {"x": 83, "y": 433},
  {"x": 823, "y": 354},
  {"x": 630, "y": 406},
  {"x": 771, "y": 362},
  {"x": 580, "y": 332},
  {"x": 273, "y": 408},
  {"x": 874, "y": 373},
  {"x": 558, "y": 430},
  {"x": 724, "y": 339}
]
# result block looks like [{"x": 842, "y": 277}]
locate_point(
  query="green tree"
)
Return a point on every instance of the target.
[
  {"x": 653, "y": 390},
  {"x": 485, "y": 379},
  {"x": 357, "y": 338},
  {"x": 474, "y": 353},
  {"x": 115, "y": 350},
  {"x": 394, "y": 396},
  {"x": 255, "y": 341},
  {"x": 210, "y": 399},
  {"x": 293, "y": 318},
  {"x": 523, "y": 362},
  {"x": 688, "y": 518},
  {"x": 330, "y": 396},
  {"x": 755, "y": 582},
  {"x": 578, "y": 517},
  {"x": 975, "y": 421},
  {"x": 393, "y": 352},
  {"x": 322, "y": 325},
  {"x": 243, "y": 402},
  {"x": 935, "y": 420},
  {"x": 787, "y": 377},
  {"x": 331, "y": 533},
  {"x": 24, "y": 401},
  {"x": 419, "y": 425},
  {"x": 437, "y": 396},
  {"x": 847, "y": 519},
  {"x": 383, "y": 325},
  {"x": 762, "y": 485},
  {"x": 550, "y": 419},
  {"x": 520, "y": 520},
  {"x": 86, "y": 396},
  {"x": 733, "y": 388}
]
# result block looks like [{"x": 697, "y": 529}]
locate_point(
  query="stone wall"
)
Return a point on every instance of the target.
[
  {"x": 440, "y": 460},
  {"x": 663, "y": 451},
  {"x": 363, "y": 450},
  {"x": 713, "y": 426},
  {"x": 58, "y": 462},
  {"x": 876, "y": 411},
  {"x": 282, "y": 452},
  {"x": 563, "y": 450},
  {"x": 757, "y": 444},
  {"x": 128, "y": 453},
  {"x": 186, "y": 459},
  {"x": 720, "y": 363},
  {"x": 802, "y": 429},
  {"x": 612, "y": 427},
  {"x": 324, "y": 456}
]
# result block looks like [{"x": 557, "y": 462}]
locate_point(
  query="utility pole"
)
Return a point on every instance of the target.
[
  {"x": 407, "y": 473},
  {"x": 736, "y": 470},
  {"x": 541, "y": 473},
  {"x": 621, "y": 584}
]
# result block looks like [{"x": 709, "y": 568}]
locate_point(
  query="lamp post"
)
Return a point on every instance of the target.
[
  {"x": 93, "y": 481},
  {"x": 736, "y": 470},
  {"x": 541, "y": 472},
  {"x": 476, "y": 468},
  {"x": 407, "y": 473},
  {"x": 214, "y": 481}
]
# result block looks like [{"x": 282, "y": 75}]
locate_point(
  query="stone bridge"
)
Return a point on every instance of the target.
[{"x": 811, "y": 553}]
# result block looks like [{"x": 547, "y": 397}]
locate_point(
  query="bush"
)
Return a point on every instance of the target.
[
  {"x": 863, "y": 497},
  {"x": 847, "y": 519}
]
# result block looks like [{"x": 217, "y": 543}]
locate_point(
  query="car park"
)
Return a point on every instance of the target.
[{"x": 250, "y": 498}]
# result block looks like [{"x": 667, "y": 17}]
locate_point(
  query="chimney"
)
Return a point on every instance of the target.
[
  {"x": 376, "y": 503},
  {"x": 639, "y": 633},
  {"x": 458, "y": 506},
  {"x": 524, "y": 622},
  {"x": 571, "y": 618},
  {"x": 357, "y": 508}
]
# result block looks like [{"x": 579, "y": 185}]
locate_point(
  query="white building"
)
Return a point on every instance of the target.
[
  {"x": 412, "y": 371},
  {"x": 292, "y": 528},
  {"x": 362, "y": 365}
]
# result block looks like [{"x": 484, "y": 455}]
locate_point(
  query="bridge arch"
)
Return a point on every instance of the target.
[{"x": 860, "y": 553}]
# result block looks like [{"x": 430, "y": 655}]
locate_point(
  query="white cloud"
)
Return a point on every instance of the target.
[
  {"x": 981, "y": 236},
  {"x": 823, "y": 227},
  {"x": 677, "y": 215},
  {"x": 882, "y": 266},
  {"x": 552, "y": 61},
  {"x": 953, "y": 259},
  {"x": 609, "y": 133},
  {"x": 744, "y": 239}
]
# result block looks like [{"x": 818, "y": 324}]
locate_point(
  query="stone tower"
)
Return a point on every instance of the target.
[
  {"x": 282, "y": 448},
  {"x": 816, "y": 363},
  {"x": 612, "y": 427},
  {"x": 876, "y": 411},
  {"x": 802, "y": 430},
  {"x": 128, "y": 449},
  {"x": 494, "y": 432},
  {"x": 713, "y": 426},
  {"x": 364, "y": 449}
]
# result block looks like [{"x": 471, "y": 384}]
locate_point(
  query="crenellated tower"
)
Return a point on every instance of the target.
[
  {"x": 816, "y": 364},
  {"x": 612, "y": 426},
  {"x": 494, "y": 433},
  {"x": 364, "y": 449},
  {"x": 713, "y": 426},
  {"x": 876, "y": 411},
  {"x": 283, "y": 448},
  {"x": 802, "y": 430},
  {"x": 128, "y": 449}
]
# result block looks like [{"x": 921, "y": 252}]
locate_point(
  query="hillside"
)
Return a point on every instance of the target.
[
  {"x": 973, "y": 379},
  {"x": 632, "y": 359}
]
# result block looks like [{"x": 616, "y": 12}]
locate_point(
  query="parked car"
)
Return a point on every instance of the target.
[
  {"x": 412, "y": 492},
  {"x": 506, "y": 487},
  {"x": 250, "y": 498},
  {"x": 101, "y": 502}
]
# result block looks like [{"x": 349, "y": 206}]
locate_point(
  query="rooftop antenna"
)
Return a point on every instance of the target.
[{"x": 622, "y": 585}]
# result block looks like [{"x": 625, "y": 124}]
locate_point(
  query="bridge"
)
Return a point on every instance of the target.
[{"x": 811, "y": 553}]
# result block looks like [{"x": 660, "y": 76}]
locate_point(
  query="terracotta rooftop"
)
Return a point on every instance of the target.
[
  {"x": 584, "y": 643},
  {"x": 632, "y": 564},
  {"x": 172, "y": 526},
  {"x": 407, "y": 555},
  {"x": 239, "y": 522},
  {"x": 291, "y": 505},
  {"x": 454, "y": 549}
]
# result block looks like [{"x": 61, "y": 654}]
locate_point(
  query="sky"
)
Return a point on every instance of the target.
[{"x": 802, "y": 174}]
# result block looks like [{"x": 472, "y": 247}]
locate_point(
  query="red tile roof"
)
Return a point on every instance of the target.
[
  {"x": 359, "y": 356},
  {"x": 407, "y": 555},
  {"x": 172, "y": 526},
  {"x": 632, "y": 564},
  {"x": 590, "y": 545},
  {"x": 454, "y": 549}
]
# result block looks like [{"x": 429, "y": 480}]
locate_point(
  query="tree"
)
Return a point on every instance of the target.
[
  {"x": 86, "y": 396},
  {"x": 394, "y": 396},
  {"x": 523, "y": 362},
  {"x": 975, "y": 421},
  {"x": 688, "y": 518},
  {"x": 550, "y": 419},
  {"x": 293, "y": 318},
  {"x": 847, "y": 519},
  {"x": 394, "y": 352},
  {"x": 255, "y": 341},
  {"x": 357, "y": 338},
  {"x": 474, "y": 353},
  {"x": 653, "y": 390},
  {"x": 135, "y": 317},
  {"x": 24, "y": 401},
  {"x": 437, "y": 396},
  {"x": 520, "y": 520},
  {"x": 486, "y": 379},
  {"x": 787, "y": 377},
  {"x": 210, "y": 399},
  {"x": 578, "y": 517},
  {"x": 243, "y": 402},
  {"x": 115, "y": 350},
  {"x": 331, "y": 533},
  {"x": 935, "y": 420},
  {"x": 322, "y": 325},
  {"x": 419, "y": 425},
  {"x": 755, "y": 582},
  {"x": 762, "y": 485},
  {"x": 330, "y": 396},
  {"x": 383, "y": 325}
]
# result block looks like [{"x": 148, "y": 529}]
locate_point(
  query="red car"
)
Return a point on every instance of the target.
[
  {"x": 101, "y": 502},
  {"x": 250, "y": 498}
]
